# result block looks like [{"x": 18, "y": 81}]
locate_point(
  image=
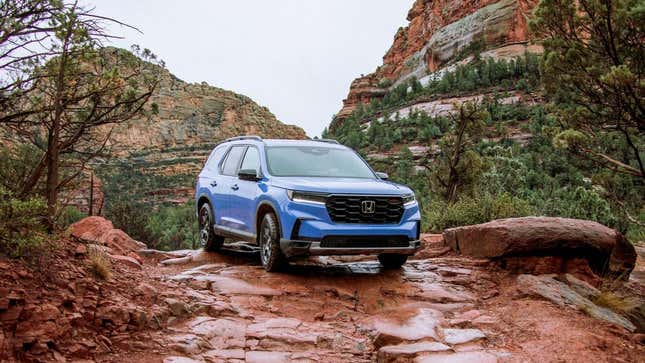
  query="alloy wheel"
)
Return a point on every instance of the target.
[
  {"x": 204, "y": 227},
  {"x": 265, "y": 251}
]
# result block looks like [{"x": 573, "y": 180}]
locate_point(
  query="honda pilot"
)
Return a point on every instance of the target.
[{"x": 303, "y": 198}]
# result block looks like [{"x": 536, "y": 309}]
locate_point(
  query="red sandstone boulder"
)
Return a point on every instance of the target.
[
  {"x": 101, "y": 231},
  {"x": 607, "y": 250},
  {"x": 126, "y": 260}
]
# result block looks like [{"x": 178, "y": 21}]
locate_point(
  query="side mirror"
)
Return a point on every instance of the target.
[
  {"x": 248, "y": 174},
  {"x": 382, "y": 176}
]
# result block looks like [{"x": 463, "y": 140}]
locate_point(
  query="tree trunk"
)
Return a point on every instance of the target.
[
  {"x": 91, "y": 209},
  {"x": 53, "y": 144},
  {"x": 453, "y": 178},
  {"x": 53, "y": 158}
]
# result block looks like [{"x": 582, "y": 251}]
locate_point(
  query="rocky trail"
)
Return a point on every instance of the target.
[{"x": 195, "y": 306}]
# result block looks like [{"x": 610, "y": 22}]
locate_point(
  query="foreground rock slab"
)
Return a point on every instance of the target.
[
  {"x": 603, "y": 247},
  {"x": 548, "y": 287},
  {"x": 393, "y": 353},
  {"x": 461, "y": 357}
]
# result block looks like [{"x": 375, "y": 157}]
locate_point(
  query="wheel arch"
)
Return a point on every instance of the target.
[
  {"x": 201, "y": 200},
  {"x": 263, "y": 208}
]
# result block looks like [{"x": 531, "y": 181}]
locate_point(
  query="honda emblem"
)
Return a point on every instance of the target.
[{"x": 368, "y": 206}]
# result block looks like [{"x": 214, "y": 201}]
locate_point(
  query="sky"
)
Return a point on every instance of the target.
[{"x": 296, "y": 57}]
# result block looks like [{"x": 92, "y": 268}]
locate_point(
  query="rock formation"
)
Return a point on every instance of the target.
[
  {"x": 439, "y": 32},
  {"x": 195, "y": 115},
  {"x": 607, "y": 250}
]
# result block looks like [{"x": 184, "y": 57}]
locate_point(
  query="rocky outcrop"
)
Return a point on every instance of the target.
[
  {"x": 57, "y": 310},
  {"x": 361, "y": 90},
  {"x": 98, "y": 230},
  {"x": 606, "y": 250},
  {"x": 440, "y": 32}
]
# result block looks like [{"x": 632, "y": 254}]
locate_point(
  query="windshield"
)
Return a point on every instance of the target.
[{"x": 314, "y": 161}]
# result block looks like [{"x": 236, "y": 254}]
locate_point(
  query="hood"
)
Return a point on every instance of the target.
[{"x": 341, "y": 185}]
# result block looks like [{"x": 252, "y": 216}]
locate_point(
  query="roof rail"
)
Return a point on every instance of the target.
[
  {"x": 329, "y": 141},
  {"x": 246, "y": 137}
]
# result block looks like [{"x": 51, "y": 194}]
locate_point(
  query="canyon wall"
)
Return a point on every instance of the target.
[{"x": 441, "y": 32}]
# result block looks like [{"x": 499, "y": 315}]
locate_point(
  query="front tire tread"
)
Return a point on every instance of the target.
[
  {"x": 276, "y": 261},
  {"x": 210, "y": 241}
]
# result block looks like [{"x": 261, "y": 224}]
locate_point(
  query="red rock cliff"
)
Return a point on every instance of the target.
[{"x": 438, "y": 31}]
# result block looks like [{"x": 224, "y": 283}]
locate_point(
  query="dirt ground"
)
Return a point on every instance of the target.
[{"x": 442, "y": 308}]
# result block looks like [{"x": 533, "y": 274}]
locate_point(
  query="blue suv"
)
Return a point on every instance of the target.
[{"x": 303, "y": 197}]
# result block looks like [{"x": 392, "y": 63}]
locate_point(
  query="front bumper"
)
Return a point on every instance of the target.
[
  {"x": 307, "y": 230},
  {"x": 293, "y": 248}
]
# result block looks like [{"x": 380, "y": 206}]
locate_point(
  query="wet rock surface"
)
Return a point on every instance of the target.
[
  {"x": 223, "y": 307},
  {"x": 335, "y": 309}
]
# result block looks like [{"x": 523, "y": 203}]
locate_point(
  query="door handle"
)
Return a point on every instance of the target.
[
  {"x": 235, "y": 187},
  {"x": 214, "y": 183}
]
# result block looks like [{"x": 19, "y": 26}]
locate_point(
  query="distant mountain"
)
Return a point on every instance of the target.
[{"x": 195, "y": 115}]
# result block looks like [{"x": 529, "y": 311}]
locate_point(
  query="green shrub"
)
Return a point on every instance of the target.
[
  {"x": 21, "y": 224},
  {"x": 16, "y": 164},
  {"x": 438, "y": 215},
  {"x": 70, "y": 215},
  {"x": 173, "y": 227},
  {"x": 129, "y": 215},
  {"x": 578, "y": 202},
  {"x": 635, "y": 232}
]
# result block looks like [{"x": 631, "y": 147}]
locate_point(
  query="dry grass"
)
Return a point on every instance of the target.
[
  {"x": 614, "y": 296},
  {"x": 618, "y": 303},
  {"x": 100, "y": 263}
]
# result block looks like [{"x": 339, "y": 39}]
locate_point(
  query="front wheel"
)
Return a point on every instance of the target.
[
  {"x": 392, "y": 261},
  {"x": 272, "y": 257},
  {"x": 207, "y": 237}
]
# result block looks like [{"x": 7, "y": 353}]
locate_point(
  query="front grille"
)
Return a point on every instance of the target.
[
  {"x": 348, "y": 209},
  {"x": 364, "y": 241}
]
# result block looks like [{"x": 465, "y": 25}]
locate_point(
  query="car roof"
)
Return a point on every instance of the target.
[{"x": 287, "y": 142}]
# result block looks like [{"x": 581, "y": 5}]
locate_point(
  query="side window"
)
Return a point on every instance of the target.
[
  {"x": 251, "y": 159},
  {"x": 233, "y": 160},
  {"x": 214, "y": 159}
]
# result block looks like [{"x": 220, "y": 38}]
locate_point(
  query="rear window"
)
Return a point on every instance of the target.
[
  {"x": 215, "y": 158},
  {"x": 233, "y": 160}
]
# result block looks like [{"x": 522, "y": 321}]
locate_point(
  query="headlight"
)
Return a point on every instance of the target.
[
  {"x": 307, "y": 197},
  {"x": 409, "y": 199}
]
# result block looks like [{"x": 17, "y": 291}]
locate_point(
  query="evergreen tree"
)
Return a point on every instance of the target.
[{"x": 593, "y": 64}]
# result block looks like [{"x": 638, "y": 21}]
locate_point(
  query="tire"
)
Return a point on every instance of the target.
[
  {"x": 392, "y": 261},
  {"x": 269, "y": 240},
  {"x": 207, "y": 237}
]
